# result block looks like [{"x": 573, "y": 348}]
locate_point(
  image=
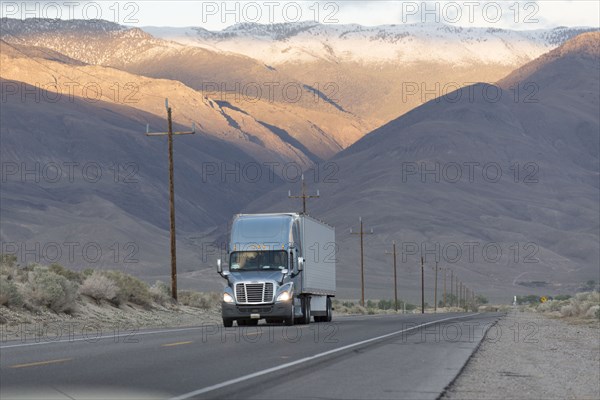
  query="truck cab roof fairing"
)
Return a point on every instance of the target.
[{"x": 261, "y": 231}]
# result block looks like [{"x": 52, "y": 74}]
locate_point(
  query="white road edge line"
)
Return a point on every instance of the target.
[{"x": 306, "y": 359}]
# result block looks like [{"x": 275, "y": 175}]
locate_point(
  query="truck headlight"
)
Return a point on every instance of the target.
[
  {"x": 284, "y": 296},
  {"x": 227, "y": 298}
]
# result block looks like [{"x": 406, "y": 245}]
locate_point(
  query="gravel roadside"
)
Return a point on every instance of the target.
[{"x": 528, "y": 356}]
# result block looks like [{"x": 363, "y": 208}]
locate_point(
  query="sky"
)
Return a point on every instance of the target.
[{"x": 217, "y": 15}]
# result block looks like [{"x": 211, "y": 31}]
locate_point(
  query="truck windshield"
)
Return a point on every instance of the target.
[{"x": 258, "y": 260}]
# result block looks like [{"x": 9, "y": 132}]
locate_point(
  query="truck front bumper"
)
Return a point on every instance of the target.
[{"x": 274, "y": 311}]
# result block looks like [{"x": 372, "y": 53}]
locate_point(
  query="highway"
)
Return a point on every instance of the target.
[{"x": 410, "y": 356}]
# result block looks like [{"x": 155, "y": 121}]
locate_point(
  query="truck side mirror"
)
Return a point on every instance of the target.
[
  {"x": 219, "y": 266},
  {"x": 300, "y": 263}
]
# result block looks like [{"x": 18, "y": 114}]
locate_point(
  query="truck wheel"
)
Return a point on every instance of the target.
[
  {"x": 329, "y": 316},
  {"x": 227, "y": 323},
  {"x": 306, "y": 311},
  {"x": 290, "y": 320}
]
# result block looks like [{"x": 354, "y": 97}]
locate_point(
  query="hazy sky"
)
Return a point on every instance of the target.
[{"x": 515, "y": 14}]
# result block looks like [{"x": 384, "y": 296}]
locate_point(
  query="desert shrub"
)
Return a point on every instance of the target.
[
  {"x": 481, "y": 299},
  {"x": 198, "y": 299},
  {"x": 10, "y": 269},
  {"x": 99, "y": 287},
  {"x": 87, "y": 272},
  {"x": 47, "y": 289},
  {"x": 160, "y": 292},
  {"x": 385, "y": 304},
  {"x": 348, "y": 304},
  {"x": 73, "y": 276},
  {"x": 358, "y": 309},
  {"x": 9, "y": 260},
  {"x": 8, "y": 265},
  {"x": 593, "y": 312},
  {"x": 562, "y": 297},
  {"x": 569, "y": 310},
  {"x": 130, "y": 289},
  {"x": 552, "y": 305},
  {"x": 9, "y": 294}
]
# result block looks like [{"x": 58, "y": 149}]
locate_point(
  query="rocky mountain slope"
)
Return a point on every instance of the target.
[
  {"x": 381, "y": 72},
  {"x": 514, "y": 181},
  {"x": 251, "y": 96}
]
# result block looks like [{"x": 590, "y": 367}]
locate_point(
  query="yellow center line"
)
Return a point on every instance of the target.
[
  {"x": 39, "y": 363},
  {"x": 175, "y": 344}
]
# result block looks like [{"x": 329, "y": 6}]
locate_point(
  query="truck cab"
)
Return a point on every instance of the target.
[{"x": 268, "y": 275}]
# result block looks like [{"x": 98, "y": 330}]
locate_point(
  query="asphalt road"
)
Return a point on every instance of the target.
[{"x": 361, "y": 357}]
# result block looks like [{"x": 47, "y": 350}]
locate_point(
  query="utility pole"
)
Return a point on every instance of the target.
[
  {"x": 451, "y": 287},
  {"x": 422, "y": 286},
  {"x": 445, "y": 270},
  {"x": 303, "y": 196},
  {"x": 435, "y": 294},
  {"x": 457, "y": 294},
  {"x": 395, "y": 276},
  {"x": 362, "y": 233},
  {"x": 170, "y": 134}
]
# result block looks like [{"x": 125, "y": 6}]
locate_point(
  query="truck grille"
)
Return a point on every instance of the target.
[{"x": 254, "y": 293}]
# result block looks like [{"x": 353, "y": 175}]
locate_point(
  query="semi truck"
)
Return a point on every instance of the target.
[{"x": 281, "y": 268}]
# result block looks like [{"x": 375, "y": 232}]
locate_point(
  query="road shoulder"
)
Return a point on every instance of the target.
[{"x": 528, "y": 356}]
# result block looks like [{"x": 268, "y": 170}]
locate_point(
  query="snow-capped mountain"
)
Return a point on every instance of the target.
[{"x": 311, "y": 41}]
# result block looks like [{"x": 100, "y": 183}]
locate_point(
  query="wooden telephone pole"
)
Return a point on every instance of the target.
[
  {"x": 451, "y": 287},
  {"x": 170, "y": 134},
  {"x": 445, "y": 270},
  {"x": 395, "y": 276},
  {"x": 362, "y": 233},
  {"x": 422, "y": 286},
  {"x": 456, "y": 292},
  {"x": 303, "y": 196},
  {"x": 435, "y": 293}
]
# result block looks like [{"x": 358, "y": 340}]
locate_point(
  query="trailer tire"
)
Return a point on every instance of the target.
[{"x": 329, "y": 316}]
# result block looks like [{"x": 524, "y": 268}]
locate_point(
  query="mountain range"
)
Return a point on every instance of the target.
[{"x": 370, "y": 140}]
